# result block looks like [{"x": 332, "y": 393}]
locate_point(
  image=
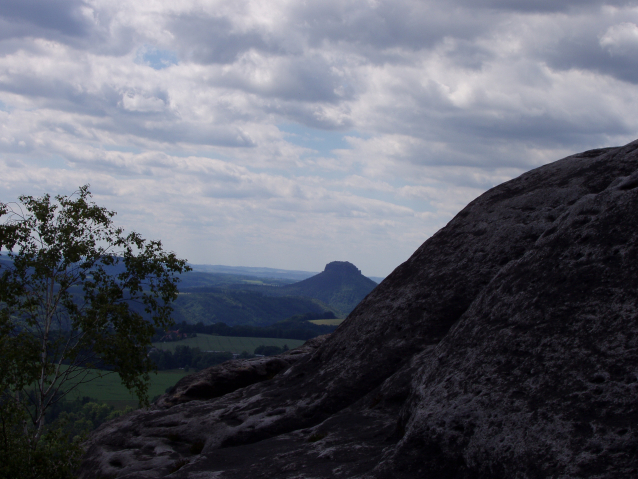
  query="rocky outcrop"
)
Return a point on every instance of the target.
[
  {"x": 227, "y": 377},
  {"x": 506, "y": 346}
]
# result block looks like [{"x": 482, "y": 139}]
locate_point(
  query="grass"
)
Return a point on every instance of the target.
[
  {"x": 208, "y": 342},
  {"x": 327, "y": 322},
  {"x": 109, "y": 388}
]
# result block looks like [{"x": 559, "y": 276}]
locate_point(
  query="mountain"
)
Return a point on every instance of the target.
[
  {"x": 341, "y": 286},
  {"x": 505, "y": 346}
]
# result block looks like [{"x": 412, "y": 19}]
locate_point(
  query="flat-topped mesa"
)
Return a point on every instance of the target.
[
  {"x": 340, "y": 285},
  {"x": 505, "y": 346},
  {"x": 343, "y": 267}
]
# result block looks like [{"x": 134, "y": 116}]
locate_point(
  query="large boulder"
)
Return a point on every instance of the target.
[{"x": 506, "y": 346}]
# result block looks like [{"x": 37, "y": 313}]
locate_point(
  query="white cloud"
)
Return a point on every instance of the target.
[
  {"x": 132, "y": 101},
  {"x": 621, "y": 39}
]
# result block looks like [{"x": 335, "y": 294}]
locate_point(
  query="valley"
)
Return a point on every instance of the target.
[
  {"x": 240, "y": 299},
  {"x": 224, "y": 311}
]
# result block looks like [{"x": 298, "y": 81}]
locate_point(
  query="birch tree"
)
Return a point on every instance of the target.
[{"x": 75, "y": 292}]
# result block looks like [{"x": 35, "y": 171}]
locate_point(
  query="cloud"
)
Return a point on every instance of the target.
[
  {"x": 290, "y": 134},
  {"x": 621, "y": 39},
  {"x": 63, "y": 17}
]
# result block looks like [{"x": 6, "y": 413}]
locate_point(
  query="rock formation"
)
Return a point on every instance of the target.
[
  {"x": 340, "y": 285},
  {"x": 506, "y": 346}
]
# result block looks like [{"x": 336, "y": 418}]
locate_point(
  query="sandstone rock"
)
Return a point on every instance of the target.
[
  {"x": 506, "y": 346},
  {"x": 229, "y": 376}
]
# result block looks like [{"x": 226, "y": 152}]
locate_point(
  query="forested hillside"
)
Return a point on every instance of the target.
[{"x": 240, "y": 307}]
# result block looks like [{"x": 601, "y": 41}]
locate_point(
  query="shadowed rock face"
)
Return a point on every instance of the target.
[{"x": 506, "y": 346}]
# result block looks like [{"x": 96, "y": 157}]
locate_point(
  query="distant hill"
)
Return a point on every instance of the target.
[
  {"x": 270, "y": 273},
  {"x": 262, "y": 296},
  {"x": 219, "y": 305},
  {"x": 200, "y": 279},
  {"x": 275, "y": 273},
  {"x": 220, "y": 275},
  {"x": 341, "y": 286}
]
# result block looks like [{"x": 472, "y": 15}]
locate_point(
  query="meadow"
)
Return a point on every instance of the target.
[
  {"x": 327, "y": 322},
  {"x": 208, "y": 342},
  {"x": 109, "y": 389}
]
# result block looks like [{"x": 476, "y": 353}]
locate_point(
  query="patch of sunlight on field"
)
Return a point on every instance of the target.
[
  {"x": 208, "y": 342},
  {"x": 327, "y": 322}
]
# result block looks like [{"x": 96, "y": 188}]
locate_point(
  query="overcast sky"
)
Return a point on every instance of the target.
[{"x": 290, "y": 133}]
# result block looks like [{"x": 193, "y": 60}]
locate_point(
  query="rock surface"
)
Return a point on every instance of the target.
[{"x": 505, "y": 347}]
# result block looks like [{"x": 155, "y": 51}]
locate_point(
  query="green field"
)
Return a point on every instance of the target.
[
  {"x": 327, "y": 322},
  {"x": 208, "y": 342},
  {"x": 109, "y": 388}
]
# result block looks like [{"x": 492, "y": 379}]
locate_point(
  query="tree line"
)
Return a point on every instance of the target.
[
  {"x": 185, "y": 357},
  {"x": 296, "y": 327}
]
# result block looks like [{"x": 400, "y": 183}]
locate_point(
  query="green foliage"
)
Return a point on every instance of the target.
[
  {"x": 77, "y": 418},
  {"x": 290, "y": 328},
  {"x": 206, "y": 342},
  {"x": 242, "y": 307},
  {"x": 54, "y": 456},
  {"x": 75, "y": 291}
]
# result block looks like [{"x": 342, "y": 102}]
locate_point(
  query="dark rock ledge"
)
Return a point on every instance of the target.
[{"x": 505, "y": 347}]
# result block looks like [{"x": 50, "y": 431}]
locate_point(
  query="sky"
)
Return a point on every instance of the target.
[{"x": 290, "y": 133}]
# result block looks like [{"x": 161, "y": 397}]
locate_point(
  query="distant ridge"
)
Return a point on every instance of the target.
[
  {"x": 341, "y": 286},
  {"x": 254, "y": 271},
  {"x": 260, "y": 272}
]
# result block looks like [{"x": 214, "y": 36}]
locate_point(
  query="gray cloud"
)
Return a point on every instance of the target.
[
  {"x": 31, "y": 16},
  {"x": 207, "y": 39},
  {"x": 300, "y": 79},
  {"x": 541, "y": 6},
  {"x": 586, "y": 53},
  {"x": 409, "y": 24}
]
